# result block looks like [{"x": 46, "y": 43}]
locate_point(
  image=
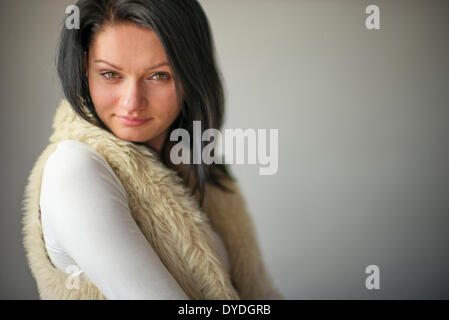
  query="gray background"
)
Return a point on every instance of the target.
[{"x": 363, "y": 126}]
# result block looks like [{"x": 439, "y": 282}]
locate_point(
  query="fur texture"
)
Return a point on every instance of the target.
[{"x": 167, "y": 214}]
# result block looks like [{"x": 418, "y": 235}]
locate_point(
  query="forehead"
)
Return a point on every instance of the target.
[{"x": 127, "y": 45}]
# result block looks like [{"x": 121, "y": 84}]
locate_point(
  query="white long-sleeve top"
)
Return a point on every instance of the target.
[{"x": 87, "y": 225}]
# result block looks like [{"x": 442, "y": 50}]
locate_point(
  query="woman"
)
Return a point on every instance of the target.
[{"x": 107, "y": 213}]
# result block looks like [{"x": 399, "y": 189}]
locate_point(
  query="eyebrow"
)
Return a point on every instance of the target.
[{"x": 118, "y": 68}]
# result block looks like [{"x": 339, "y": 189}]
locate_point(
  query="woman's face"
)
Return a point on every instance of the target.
[{"x": 131, "y": 84}]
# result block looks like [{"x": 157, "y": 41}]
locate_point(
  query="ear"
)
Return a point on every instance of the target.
[{"x": 86, "y": 63}]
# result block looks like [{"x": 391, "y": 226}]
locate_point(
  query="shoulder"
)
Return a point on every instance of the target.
[
  {"x": 75, "y": 154},
  {"x": 75, "y": 164}
]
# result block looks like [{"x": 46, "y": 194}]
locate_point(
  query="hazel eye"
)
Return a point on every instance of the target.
[
  {"x": 110, "y": 75},
  {"x": 159, "y": 76}
]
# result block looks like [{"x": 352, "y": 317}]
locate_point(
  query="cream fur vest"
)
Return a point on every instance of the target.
[{"x": 167, "y": 214}]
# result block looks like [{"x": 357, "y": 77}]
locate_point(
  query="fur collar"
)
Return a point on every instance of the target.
[{"x": 169, "y": 217}]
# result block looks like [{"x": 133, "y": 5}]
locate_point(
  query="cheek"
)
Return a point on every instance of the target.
[
  {"x": 103, "y": 97},
  {"x": 165, "y": 104}
]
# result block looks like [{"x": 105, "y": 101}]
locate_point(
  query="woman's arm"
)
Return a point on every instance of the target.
[{"x": 86, "y": 210}]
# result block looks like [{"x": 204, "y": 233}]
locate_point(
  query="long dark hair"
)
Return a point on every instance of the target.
[{"x": 184, "y": 32}]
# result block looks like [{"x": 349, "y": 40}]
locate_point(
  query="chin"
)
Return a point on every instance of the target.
[{"x": 132, "y": 137}]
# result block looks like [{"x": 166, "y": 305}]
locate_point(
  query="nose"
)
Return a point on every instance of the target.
[{"x": 133, "y": 99}]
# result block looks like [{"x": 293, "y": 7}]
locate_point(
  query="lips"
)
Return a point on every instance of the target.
[{"x": 132, "y": 122}]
